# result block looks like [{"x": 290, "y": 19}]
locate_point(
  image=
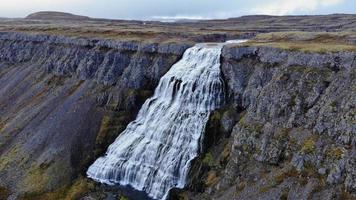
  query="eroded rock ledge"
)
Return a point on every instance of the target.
[
  {"x": 99, "y": 59},
  {"x": 288, "y": 131}
]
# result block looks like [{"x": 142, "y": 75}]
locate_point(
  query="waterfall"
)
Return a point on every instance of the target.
[{"x": 155, "y": 151}]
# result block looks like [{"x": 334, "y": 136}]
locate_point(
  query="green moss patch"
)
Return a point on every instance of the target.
[
  {"x": 208, "y": 160},
  {"x": 80, "y": 187},
  {"x": 123, "y": 198},
  {"x": 308, "y": 146},
  {"x": 10, "y": 156},
  {"x": 35, "y": 180},
  {"x": 251, "y": 126},
  {"x": 112, "y": 125}
]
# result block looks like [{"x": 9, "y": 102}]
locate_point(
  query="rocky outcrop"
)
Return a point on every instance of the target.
[
  {"x": 64, "y": 100},
  {"x": 104, "y": 61},
  {"x": 294, "y": 136}
]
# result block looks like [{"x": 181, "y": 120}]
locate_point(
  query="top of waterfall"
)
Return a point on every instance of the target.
[
  {"x": 212, "y": 44},
  {"x": 235, "y": 41}
]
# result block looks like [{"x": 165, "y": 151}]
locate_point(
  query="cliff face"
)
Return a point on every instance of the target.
[
  {"x": 288, "y": 130},
  {"x": 64, "y": 100},
  {"x": 104, "y": 61}
]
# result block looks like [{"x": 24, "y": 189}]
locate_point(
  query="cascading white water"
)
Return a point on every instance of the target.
[{"x": 155, "y": 151}]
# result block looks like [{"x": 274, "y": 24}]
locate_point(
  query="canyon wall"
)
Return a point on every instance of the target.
[
  {"x": 64, "y": 100},
  {"x": 287, "y": 130}
]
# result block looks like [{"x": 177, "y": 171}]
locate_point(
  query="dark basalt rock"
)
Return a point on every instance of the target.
[
  {"x": 98, "y": 59},
  {"x": 296, "y": 138},
  {"x": 64, "y": 100}
]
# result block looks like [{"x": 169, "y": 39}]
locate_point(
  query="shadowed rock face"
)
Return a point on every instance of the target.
[{"x": 64, "y": 100}]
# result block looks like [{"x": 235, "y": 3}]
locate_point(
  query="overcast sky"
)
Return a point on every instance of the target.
[{"x": 151, "y": 9}]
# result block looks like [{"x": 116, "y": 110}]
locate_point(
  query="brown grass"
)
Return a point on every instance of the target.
[
  {"x": 76, "y": 190},
  {"x": 4, "y": 193},
  {"x": 310, "y": 47},
  {"x": 321, "y": 37},
  {"x": 335, "y": 153},
  {"x": 241, "y": 186},
  {"x": 320, "y": 42},
  {"x": 2, "y": 124},
  {"x": 211, "y": 179}
]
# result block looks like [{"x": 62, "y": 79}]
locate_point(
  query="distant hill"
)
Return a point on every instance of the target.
[{"x": 52, "y": 15}]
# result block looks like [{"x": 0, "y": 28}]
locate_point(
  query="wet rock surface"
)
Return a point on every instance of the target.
[{"x": 295, "y": 134}]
